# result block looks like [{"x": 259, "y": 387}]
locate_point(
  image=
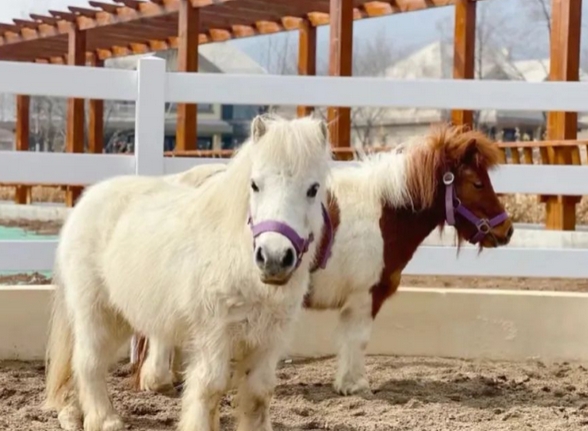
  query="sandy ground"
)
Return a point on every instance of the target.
[
  {"x": 516, "y": 283},
  {"x": 416, "y": 394}
]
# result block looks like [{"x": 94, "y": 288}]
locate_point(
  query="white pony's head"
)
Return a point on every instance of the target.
[{"x": 289, "y": 168}]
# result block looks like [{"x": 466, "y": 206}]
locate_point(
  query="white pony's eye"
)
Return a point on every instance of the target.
[
  {"x": 312, "y": 191},
  {"x": 254, "y": 186}
]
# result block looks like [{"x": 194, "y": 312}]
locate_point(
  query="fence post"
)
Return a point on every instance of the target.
[
  {"x": 149, "y": 132},
  {"x": 150, "y": 116}
]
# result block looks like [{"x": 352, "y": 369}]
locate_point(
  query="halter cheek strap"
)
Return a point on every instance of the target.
[
  {"x": 300, "y": 244},
  {"x": 453, "y": 205}
]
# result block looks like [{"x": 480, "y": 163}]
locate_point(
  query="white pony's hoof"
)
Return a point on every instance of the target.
[
  {"x": 348, "y": 387},
  {"x": 70, "y": 418},
  {"x": 112, "y": 422}
]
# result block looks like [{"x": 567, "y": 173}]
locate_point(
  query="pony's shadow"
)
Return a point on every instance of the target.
[{"x": 478, "y": 392}]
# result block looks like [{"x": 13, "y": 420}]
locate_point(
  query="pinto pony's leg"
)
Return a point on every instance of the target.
[
  {"x": 257, "y": 380},
  {"x": 156, "y": 374},
  {"x": 207, "y": 378},
  {"x": 354, "y": 330}
]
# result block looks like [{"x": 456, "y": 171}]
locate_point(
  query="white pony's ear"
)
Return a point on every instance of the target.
[
  {"x": 325, "y": 132},
  {"x": 258, "y": 128}
]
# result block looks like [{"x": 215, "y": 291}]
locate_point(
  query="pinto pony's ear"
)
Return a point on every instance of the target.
[
  {"x": 471, "y": 153},
  {"x": 258, "y": 128}
]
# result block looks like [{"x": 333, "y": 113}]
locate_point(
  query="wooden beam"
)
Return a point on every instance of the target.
[
  {"x": 566, "y": 20},
  {"x": 340, "y": 64},
  {"x": 76, "y": 56},
  {"x": 464, "y": 52},
  {"x": 23, "y": 103},
  {"x": 306, "y": 57},
  {"x": 96, "y": 119},
  {"x": 188, "y": 30}
]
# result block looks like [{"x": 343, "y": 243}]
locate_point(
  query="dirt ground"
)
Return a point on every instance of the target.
[
  {"x": 40, "y": 227},
  {"x": 416, "y": 394},
  {"x": 513, "y": 283}
]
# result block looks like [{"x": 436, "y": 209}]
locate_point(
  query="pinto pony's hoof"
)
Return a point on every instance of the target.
[{"x": 359, "y": 387}]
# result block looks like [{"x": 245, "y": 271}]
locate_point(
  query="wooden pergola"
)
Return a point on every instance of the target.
[{"x": 90, "y": 35}]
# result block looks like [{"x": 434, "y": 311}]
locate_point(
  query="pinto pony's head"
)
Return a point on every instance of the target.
[{"x": 460, "y": 160}]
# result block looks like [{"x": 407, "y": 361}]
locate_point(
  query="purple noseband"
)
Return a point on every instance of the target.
[
  {"x": 453, "y": 205},
  {"x": 300, "y": 244}
]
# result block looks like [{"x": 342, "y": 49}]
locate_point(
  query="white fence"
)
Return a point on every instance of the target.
[{"x": 150, "y": 86}]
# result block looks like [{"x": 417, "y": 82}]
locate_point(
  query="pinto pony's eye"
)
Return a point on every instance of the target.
[
  {"x": 479, "y": 185},
  {"x": 254, "y": 186},
  {"x": 312, "y": 191}
]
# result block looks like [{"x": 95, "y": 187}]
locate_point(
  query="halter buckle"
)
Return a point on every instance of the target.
[
  {"x": 448, "y": 178},
  {"x": 483, "y": 226}
]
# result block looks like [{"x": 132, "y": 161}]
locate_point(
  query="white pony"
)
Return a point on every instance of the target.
[
  {"x": 221, "y": 269},
  {"x": 381, "y": 211}
]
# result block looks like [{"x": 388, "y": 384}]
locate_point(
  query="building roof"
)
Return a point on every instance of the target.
[{"x": 222, "y": 57}]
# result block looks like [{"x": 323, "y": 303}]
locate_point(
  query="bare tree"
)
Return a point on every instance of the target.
[{"x": 372, "y": 57}]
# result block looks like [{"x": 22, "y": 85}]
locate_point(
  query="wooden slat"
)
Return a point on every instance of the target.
[
  {"x": 76, "y": 56},
  {"x": 96, "y": 120},
  {"x": 516, "y": 156},
  {"x": 306, "y": 57},
  {"x": 188, "y": 29},
  {"x": 464, "y": 51},
  {"x": 23, "y": 103},
  {"x": 528, "y": 156},
  {"x": 340, "y": 64},
  {"x": 564, "y": 66}
]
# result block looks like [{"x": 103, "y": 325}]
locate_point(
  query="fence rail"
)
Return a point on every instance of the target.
[{"x": 151, "y": 87}]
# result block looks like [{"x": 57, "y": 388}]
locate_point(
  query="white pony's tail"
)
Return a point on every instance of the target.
[{"x": 59, "y": 351}]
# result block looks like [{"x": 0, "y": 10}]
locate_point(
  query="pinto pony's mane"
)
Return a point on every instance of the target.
[
  {"x": 290, "y": 145},
  {"x": 410, "y": 174}
]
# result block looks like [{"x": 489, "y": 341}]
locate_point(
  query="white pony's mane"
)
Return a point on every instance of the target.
[{"x": 289, "y": 145}]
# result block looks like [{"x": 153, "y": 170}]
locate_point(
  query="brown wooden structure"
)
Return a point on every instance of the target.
[{"x": 89, "y": 35}]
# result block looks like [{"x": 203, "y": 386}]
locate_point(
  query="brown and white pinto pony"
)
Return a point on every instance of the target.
[{"x": 381, "y": 212}]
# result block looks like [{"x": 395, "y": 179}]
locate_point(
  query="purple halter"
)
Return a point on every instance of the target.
[
  {"x": 300, "y": 244},
  {"x": 453, "y": 205}
]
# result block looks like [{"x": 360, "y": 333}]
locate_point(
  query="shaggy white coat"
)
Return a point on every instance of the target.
[{"x": 176, "y": 263}]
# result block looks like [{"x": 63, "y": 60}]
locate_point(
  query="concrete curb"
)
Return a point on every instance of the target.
[{"x": 462, "y": 323}]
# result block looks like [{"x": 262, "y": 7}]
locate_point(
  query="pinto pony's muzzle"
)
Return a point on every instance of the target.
[
  {"x": 299, "y": 244},
  {"x": 453, "y": 205}
]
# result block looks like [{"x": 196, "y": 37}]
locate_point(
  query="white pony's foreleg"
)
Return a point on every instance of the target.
[
  {"x": 207, "y": 378},
  {"x": 156, "y": 373},
  {"x": 257, "y": 380},
  {"x": 98, "y": 334},
  {"x": 354, "y": 330}
]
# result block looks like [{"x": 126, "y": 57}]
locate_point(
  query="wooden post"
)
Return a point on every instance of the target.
[
  {"x": 96, "y": 119},
  {"x": 188, "y": 28},
  {"x": 306, "y": 57},
  {"x": 76, "y": 56},
  {"x": 564, "y": 66},
  {"x": 23, "y": 103},
  {"x": 464, "y": 52},
  {"x": 340, "y": 64}
]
